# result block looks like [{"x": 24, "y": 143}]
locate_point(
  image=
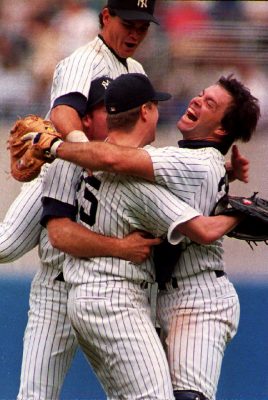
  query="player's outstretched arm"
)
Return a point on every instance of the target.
[
  {"x": 20, "y": 229},
  {"x": 135, "y": 162},
  {"x": 108, "y": 157},
  {"x": 205, "y": 230},
  {"x": 78, "y": 241},
  {"x": 94, "y": 156},
  {"x": 114, "y": 158}
]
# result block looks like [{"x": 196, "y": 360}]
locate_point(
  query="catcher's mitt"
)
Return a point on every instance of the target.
[
  {"x": 254, "y": 227},
  {"x": 24, "y": 166}
]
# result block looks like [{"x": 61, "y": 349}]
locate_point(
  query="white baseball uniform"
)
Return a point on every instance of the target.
[
  {"x": 199, "y": 308},
  {"x": 49, "y": 343},
  {"x": 108, "y": 304},
  {"x": 76, "y": 72}
]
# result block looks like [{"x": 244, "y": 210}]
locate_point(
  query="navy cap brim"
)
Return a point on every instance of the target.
[
  {"x": 161, "y": 96},
  {"x": 130, "y": 15}
]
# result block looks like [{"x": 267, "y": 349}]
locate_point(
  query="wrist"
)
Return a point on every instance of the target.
[
  {"x": 76, "y": 136},
  {"x": 55, "y": 146},
  {"x": 119, "y": 249}
]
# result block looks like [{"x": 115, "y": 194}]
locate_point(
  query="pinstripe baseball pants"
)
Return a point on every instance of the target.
[
  {"x": 49, "y": 342},
  {"x": 198, "y": 317},
  {"x": 115, "y": 331}
]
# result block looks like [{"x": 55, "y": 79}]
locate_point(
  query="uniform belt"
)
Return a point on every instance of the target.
[
  {"x": 174, "y": 283},
  {"x": 219, "y": 273},
  {"x": 144, "y": 285},
  {"x": 60, "y": 277}
]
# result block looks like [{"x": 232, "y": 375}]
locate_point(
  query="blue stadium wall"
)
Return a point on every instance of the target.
[{"x": 245, "y": 366}]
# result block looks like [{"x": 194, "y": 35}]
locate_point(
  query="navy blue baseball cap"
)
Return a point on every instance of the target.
[
  {"x": 140, "y": 10},
  {"x": 97, "y": 91},
  {"x": 129, "y": 91}
]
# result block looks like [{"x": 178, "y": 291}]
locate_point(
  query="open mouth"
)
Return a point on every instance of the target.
[
  {"x": 191, "y": 115},
  {"x": 130, "y": 45}
]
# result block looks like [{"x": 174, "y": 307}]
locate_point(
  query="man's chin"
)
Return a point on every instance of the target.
[
  {"x": 128, "y": 51},
  {"x": 185, "y": 126}
]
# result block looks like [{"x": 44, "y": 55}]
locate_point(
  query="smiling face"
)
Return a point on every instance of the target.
[
  {"x": 123, "y": 36},
  {"x": 202, "y": 119}
]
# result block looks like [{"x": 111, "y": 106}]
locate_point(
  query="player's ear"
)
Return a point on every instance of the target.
[
  {"x": 219, "y": 132},
  {"x": 87, "y": 122},
  {"x": 105, "y": 16},
  {"x": 143, "y": 111}
]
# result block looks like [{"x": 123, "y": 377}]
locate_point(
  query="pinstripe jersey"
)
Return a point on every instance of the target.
[
  {"x": 112, "y": 205},
  {"x": 200, "y": 314},
  {"x": 41, "y": 374},
  {"x": 196, "y": 176},
  {"x": 76, "y": 72},
  {"x": 20, "y": 229}
]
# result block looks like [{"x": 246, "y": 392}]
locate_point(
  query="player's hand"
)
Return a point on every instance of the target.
[
  {"x": 136, "y": 247},
  {"x": 238, "y": 167},
  {"x": 44, "y": 144}
]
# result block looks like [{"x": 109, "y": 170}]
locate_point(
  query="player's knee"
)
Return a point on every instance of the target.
[{"x": 189, "y": 395}]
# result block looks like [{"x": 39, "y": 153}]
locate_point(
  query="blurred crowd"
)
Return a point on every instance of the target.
[{"x": 196, "y": 42}]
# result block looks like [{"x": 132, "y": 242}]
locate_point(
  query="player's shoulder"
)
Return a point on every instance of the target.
[
  {"x": 174, "y": 155},
  {"x": 135, "y": 66},
  {"x": 89, "y": 50},
  {"x": 162, "y": 152}
]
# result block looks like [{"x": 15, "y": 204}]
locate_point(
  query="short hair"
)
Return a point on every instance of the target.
[
  {"x": 241, "y": 117},
  {"x": 125, "y": 120},
  {"x": 111, "y": 12}
]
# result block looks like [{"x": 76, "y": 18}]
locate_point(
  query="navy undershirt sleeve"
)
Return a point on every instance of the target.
[
  {"x": 53, "y": 208},
  {"x": 75, "y": 100}
]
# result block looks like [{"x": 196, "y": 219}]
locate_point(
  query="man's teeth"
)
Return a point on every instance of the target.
[{"x": 191, "y": 116}]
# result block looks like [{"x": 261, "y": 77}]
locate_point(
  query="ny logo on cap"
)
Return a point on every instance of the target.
[
  {"x": 105, "y": 84},
  {"x": 142, "y": 3}
]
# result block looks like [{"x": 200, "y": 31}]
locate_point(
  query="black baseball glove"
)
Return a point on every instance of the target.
[{"x": 254, "y": 227}]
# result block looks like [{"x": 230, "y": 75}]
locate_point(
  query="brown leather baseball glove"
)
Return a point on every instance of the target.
[{"x": 24, "y": 166}]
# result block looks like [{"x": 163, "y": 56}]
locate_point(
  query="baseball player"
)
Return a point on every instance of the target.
[
  {"x": 123, "y": 26},
  {"x": 49, "y": 342},
  {"x": 70, "y": 89},
  {"x": 108, "y": 304},
  {"x": 199, "y": 308}
]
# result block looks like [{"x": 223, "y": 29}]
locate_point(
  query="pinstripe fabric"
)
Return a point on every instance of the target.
[
  {"x": 42, "y": 376},
  {"x": 194, "y": 176},
  {"x": 108, "y": 308},
  {"x": 20, "y": 229},
  {"x": 201, "y": 316},
  {"x": 75, "y": 73},
  {"x": 115, "y": 331},
  {"x": 199, "y": 319},
  {"x": 123, "y": 205},
  {"x": 49, "y": 343}
]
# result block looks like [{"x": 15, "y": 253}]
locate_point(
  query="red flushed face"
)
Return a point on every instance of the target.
[{"x": 204, "y": 113}]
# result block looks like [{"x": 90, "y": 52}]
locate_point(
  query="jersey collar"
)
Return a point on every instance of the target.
[
  {"x": 199, "y": 144},
  {"x": 122, "y": 60}
]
